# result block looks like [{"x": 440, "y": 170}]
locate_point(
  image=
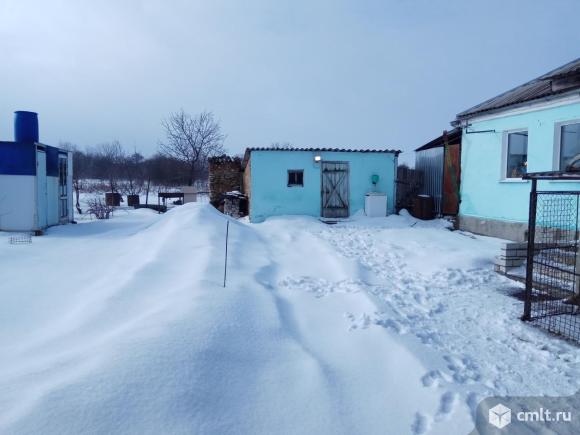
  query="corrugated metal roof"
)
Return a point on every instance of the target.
[
  {"x": 314, "y": 149},
  {"x": 453, "y": 136},
  {"x": 334, "y": 150},
  {"x": 546, "y": 85}
]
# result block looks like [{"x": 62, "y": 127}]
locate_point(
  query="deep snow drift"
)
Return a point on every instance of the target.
[{"x": 372, "y": 326}]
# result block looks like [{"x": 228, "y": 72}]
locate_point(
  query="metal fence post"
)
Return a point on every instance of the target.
[{"x": 530, "y": 254}]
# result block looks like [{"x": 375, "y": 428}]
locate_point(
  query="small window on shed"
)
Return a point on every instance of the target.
[{"x": 295, "y": 177}]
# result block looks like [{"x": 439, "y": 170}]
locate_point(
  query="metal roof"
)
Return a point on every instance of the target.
[
  {"x": 558, "y": 81},
  {"x": 453, "y": 136},
  {"x": 334, "y": 150},
  {"x": 314, "y": 149}
]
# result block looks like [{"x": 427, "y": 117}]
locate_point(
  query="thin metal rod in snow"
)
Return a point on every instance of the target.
[{"x": 226, "y": 258}]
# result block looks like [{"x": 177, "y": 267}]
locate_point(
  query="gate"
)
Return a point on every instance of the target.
[
  {"x": 334, "y": 190},
  {"x": 552, "y": 296}
]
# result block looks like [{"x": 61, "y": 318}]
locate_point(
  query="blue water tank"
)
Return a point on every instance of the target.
[{"x": 25, "y": 126}]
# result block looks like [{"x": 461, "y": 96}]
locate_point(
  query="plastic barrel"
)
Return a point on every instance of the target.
[
  {"x": 424, "y": 207},
  {"x": 25, "y": 126}
]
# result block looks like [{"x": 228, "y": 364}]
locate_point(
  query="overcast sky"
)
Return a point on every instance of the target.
[{"x": 340, "y": 73}]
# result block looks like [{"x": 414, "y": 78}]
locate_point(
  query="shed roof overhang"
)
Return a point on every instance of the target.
[{"x": 314, "y": 149}]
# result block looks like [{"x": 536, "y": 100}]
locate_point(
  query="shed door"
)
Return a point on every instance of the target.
[
  {"x": 63, "y": 187},
  {"x": 41, "y": 191},
  {"x": 334, "y": 187}
]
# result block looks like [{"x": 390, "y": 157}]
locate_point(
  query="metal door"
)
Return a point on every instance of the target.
[
  {"x": 334, "y": 189},
  {"x": 41, "y": 191}
]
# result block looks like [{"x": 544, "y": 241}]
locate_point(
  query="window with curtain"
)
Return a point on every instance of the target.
[{"x": 517, "y": 154}]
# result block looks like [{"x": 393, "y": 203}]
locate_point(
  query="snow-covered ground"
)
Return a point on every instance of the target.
[{"x": 373, "y": 326}]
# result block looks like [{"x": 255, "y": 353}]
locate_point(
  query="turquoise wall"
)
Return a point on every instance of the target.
[
  {"x": 270, "y": 195},
  {"x": 484, "y": 194}
]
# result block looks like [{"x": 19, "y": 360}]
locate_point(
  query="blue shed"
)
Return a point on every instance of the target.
[
  {"x": 319, "y": 182},
  {"x": 35, "y": 180}
]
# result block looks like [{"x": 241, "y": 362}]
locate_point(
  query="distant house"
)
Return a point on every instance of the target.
[
  {"x": 533, "y": 127},
  {"x": 438, "y": 165},
  {"x": 320, "y": 182},
  {"x": 35, "y": 180}
]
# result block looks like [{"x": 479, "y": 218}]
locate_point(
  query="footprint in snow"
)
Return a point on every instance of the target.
[
  {"x": 393, "y": 325},
  {"x": 432, "y": 378},
  {"x": 421, "y": 425},
  {"x": 447, "y": 404},
  {"x": 363, "y": 322}
]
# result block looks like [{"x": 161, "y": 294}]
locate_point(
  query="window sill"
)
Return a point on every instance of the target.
[
  {"x": 296, "y": 185},
  {"x": 513, "y": 180}
]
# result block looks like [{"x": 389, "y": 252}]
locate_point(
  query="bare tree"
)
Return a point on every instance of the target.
[
  {"x": 132, "y": 172},
  {"x": 109, "y": 158},
  {"x": 192, "y": 139}
]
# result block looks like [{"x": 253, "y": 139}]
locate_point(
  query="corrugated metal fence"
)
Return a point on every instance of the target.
[{"x": 430, "y": 164}]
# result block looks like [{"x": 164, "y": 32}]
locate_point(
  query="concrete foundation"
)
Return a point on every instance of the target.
[{"x": 516, "y": 231}]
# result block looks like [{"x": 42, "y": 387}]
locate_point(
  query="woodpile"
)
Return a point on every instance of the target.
[{"x": 225, "y": 175}]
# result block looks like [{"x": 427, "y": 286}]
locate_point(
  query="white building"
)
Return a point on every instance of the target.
[{"x": 35, "y": 180}]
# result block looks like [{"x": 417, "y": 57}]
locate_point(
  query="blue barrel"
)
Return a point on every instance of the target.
[{"x": 25, "y": 126}]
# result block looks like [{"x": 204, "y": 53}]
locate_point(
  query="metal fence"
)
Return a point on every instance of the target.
[
  {"x": 408, "y": 184},
  {"x": 429, "y": 163},
  {"x": 552, "y": 299}
]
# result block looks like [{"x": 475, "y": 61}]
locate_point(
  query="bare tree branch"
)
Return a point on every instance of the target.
[{"x": 192, "y": 140}]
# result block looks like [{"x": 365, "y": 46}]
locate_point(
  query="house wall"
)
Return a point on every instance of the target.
[
  {"x": 271, "y": 196},
  {"x": 19, "y": 205},
  {"x": 496, "y": 206},
  {"x": 17, "y": 202},
  {"x": 53, "y": 198}
]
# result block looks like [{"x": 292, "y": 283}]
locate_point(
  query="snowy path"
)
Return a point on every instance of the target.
[
  {"x": 123, "y": 327},
  {"x": 438, "y": 291}
]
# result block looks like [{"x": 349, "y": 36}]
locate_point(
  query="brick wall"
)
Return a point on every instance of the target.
[
  {"x": 225, "y": 175},
  {"x": 247, "y": 183}
]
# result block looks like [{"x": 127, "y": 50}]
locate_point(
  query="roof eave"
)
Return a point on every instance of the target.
[{"x": 470, "y": 115}]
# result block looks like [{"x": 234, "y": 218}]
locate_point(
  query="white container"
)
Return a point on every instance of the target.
[
  {"x": 189, "y": 194},
  {"x": 376, "y": 204}
]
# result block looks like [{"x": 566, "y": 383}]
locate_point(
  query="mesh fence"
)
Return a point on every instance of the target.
[{"x": 553, "y": 274}]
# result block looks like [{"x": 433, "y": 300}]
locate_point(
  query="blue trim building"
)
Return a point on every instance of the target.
[
  {"x": 319, "y": 182},
  {"x": 532, "y": 128},
  {"x": 35, "y": 184}
]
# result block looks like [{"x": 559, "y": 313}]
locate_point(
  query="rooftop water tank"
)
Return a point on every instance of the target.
[{"x": 25, "y": 126}]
